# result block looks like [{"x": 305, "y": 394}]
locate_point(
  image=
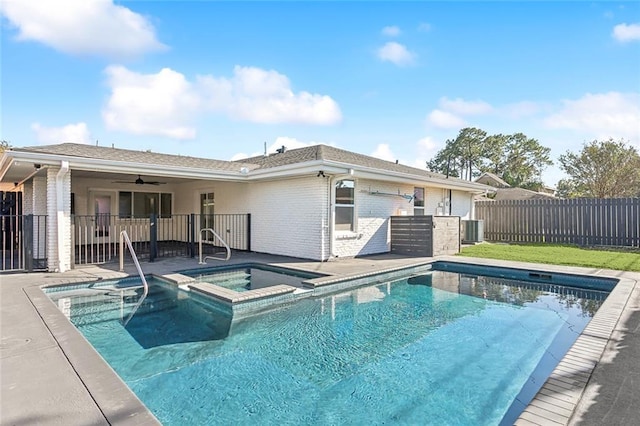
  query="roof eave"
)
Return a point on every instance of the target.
[{"x": 111, "y": 166}]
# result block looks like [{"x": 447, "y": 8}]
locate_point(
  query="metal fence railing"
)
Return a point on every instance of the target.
[
  {"x": 24, "y": 242},
  {"x": 95, "y": 238}
]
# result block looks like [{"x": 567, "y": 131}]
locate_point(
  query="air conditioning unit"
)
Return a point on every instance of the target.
[{"x": 472, "y": 231}]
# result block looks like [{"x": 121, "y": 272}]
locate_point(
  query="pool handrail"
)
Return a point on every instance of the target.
[
  {"x": 124, "y": 237},
  {"x": 226, "y": 246}
]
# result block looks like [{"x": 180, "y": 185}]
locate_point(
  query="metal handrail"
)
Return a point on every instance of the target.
[
  {"x": 202, "y": 261},
  {"x": 124, "y": 237}
]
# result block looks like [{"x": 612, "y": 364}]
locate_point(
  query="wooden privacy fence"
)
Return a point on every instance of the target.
[{"x": 581, "y": 221}]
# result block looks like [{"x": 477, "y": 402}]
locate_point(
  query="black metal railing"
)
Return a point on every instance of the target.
[
  {"x": 24, "y": 242},
  {"x": 96, "y": 237}
]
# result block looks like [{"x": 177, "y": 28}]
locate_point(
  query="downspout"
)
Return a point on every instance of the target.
[
  {"x": 329, "y": 224},
  {"x": 64, "y": 169}
]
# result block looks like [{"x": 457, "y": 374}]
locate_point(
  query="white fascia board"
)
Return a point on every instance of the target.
[
  {"x": 110, "y": 166},
  {"x": 389, "y": 176},
  {"x": 296, "y": 170}
]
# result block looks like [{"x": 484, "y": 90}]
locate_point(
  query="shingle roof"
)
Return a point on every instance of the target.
[
  {"x": 289, "y": 157},
  {"x": 520, "y": 194},
  {"x": 498, "y": 182},
  {"x": 128, "y": 155},
  {"x": 329, "y": 153}
]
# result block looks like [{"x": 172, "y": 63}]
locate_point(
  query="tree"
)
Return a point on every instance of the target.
[
  {"x": 602, "y": 169},
  {"x": 461, "y": 155},
  {"x": 4, "y": 145},
  {"x": 517, "y": 159}
]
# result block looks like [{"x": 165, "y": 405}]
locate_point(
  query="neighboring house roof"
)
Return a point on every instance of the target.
[
  {"x": 92, "y": 158},
  {"x": 520, "y": 194},
  {"x": 492, "y": 180}
]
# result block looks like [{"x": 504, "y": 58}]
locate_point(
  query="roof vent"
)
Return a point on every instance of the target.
[{"x": 281, "y": 150}]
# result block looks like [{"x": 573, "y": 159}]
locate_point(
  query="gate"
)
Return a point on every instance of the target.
[{"x": 24, "y": 242}]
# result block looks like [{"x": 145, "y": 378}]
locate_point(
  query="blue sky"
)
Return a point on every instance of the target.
[{"x": 390, "y": 79}]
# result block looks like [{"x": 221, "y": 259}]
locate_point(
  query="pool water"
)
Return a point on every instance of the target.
[
  {"x": 437, "y": 348},
  {"x": 250, "y": 277}
]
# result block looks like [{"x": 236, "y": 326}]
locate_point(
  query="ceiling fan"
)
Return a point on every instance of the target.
[{"x": 140, "y": 181}]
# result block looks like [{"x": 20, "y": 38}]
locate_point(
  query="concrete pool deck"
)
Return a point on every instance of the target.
[{"x": 50, "y": 375}]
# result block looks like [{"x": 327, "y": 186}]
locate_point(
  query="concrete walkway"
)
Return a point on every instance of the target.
[{"x": 50, "y": 375}]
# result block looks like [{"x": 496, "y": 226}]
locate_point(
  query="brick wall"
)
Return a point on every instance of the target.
[
  {"x": 39, "y": 207},
  {"x": 289, "y": 217},
  {"x": 55, "y": 258},
  {"x": 372, "y": 223}
]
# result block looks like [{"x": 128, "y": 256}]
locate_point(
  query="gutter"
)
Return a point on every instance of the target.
[{"x": 64, "y": 169}]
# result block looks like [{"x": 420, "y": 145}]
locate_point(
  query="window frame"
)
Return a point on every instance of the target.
[
  {"x": 346, "y": 227},
  {"x": 419, "y": 210},
  {"x": 160, "y": 198}
]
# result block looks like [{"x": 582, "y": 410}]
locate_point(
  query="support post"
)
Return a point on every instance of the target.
[
  {"x": 192, "y": 235},
  {"x": 248, "y": 231},
  {"x": 153, "y": 237},
  {"x": 27, "y": 240}
]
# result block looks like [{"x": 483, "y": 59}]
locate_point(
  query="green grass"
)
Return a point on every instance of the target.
[{"x": 622, "y": 260}]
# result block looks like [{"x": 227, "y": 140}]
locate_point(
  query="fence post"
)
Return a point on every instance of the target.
[
  {"x": 153, "y": 237},
  {"x": 248, "y": 231},
  {"x": 192, "y": 234},
  {"x": 27, "y": 239}
]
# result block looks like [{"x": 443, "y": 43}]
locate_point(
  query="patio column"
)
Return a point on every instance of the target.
[
  {"x": 59, "y": 218},
  {"x": 27, "y": 198}
]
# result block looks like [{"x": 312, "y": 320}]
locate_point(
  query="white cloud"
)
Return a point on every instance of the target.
[
  {"x": 626, "y": 32},
  {"x": 93, "y": 27},
  {"x": 395, "y": 53},
  {"x": 383, "y": 152},
  {"x": 445, "y": 120},
  {"x": 462, "y": 107},
  {"x": 451, "y": 112},
  {"x": 287, "y": 142},
  {"x": 150, "y": 104},
  {"x": 391, "y": 31},
  {"x": 77, "y": 133},
  {"x": 601, "y": 116},
  {"x": 425, "y": 149},
  {"x": 261, "y": 96},
  {"x": 165, "y": 103}
]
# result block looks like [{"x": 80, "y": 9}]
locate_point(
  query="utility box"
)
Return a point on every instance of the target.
[{"x": 472, "y": 231}]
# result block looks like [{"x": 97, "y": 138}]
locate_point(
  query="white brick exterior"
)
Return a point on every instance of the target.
[
  {"x": 289, "y": 217},
  {"x": 27, "y": 198},
  {"x": 39, "y": 207},
  {"x": 372, "y": 218},
  {"x": 59, "y": 257}
]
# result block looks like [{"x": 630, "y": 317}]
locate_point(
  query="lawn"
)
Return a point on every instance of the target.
[{"x": 622, "y": 260}]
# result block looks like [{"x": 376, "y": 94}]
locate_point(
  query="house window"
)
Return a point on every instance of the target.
[
  {"x": 418, "y": 201},
  {"x": 143, "y": 204},
  {"x": 344, "y": 206}
]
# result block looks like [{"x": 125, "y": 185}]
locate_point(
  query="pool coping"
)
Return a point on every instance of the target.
[{"x": 558, "y": 402}]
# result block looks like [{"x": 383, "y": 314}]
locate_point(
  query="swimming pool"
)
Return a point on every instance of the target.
[
  {"x": 251, "y": 276},
  {"x": 439, "y": 347}
]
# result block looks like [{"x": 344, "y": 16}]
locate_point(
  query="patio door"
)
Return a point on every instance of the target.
[
  {"x": 207, "y": 202},
  {"x": 101, "y": 206}
]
